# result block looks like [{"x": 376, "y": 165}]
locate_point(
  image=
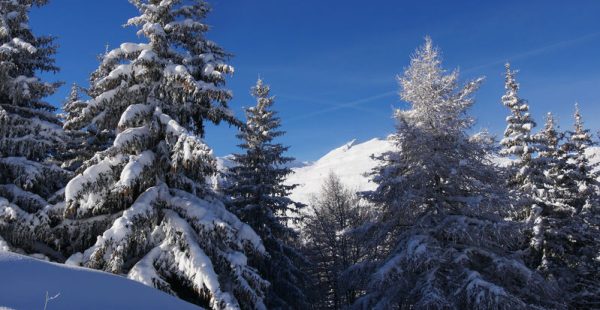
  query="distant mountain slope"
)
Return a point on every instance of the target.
[
  {"x": 350, "y": 162},
  {"x": 25, "y": 280}
]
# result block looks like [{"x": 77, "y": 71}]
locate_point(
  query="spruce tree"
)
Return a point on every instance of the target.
[
  {"x": 586, "y": 288},
  {"x": 30, "y": 132},
  {"x": 519, "y": 144},
  {"x": 259, "y": 198},
  {"x": 586, "y": 174},
  {"x": 517, "y": 136},
  {"x": 556, "y": 159},
  {"x": 73, "y": 105},
  {"x": 546, "y": 193},
  {"x": 565, "y": 246},
  {"x": 78, "y": 147},
  {"x": 142, "y": 207},
  {"x": 440, "y": 232}
]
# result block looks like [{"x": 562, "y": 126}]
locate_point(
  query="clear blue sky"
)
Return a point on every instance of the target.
[{"x": 332, "y": 64}]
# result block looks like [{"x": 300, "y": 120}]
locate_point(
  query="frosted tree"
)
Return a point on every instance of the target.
[
  {"x": 545, "y": 192},
  {"x": 525, "y": 172},
  {"x": 586, "y": 174},
  {"x": 334, "y": 212},
  {"x": 557, "y": 160},
  {"x": 259, "y": 198},
  {"x": 439, "y": 239},
  {"x": 517, "y": 136},
  {"x": 77, "y": 149},
  {"x": 73, "y": 105},
  {"x": 142, "y": 207},
  {"x": 565, "y": 234},
  {"x": 585, "y": 288},
  {"x": 30, "y": 132}
]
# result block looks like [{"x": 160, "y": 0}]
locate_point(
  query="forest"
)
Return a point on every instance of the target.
[{"x": 119, "y": 178}]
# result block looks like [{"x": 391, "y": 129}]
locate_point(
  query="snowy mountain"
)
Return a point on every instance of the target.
[
  {"x": 26, "y": 280},
  {"x": 350, "y": 162}
]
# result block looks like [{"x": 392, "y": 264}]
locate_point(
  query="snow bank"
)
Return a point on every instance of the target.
[{"x": 25, "y": 281}]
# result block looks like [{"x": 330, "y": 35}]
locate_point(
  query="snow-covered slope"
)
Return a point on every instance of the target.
[
  {"x": 350, "y": 162},
  {"x": 24, "y": 282}
]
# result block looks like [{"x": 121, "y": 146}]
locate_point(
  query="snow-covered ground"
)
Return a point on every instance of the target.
[
  {"x": 349, "y": 162},
  {"x": 24, "y": 282}
]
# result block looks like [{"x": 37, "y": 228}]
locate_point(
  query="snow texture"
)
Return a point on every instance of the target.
[
  {"x": 350, "y": 162},
  {"x": 26, "y": 280}
]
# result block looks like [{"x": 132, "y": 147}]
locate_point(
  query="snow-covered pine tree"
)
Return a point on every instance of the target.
[
  {"x": 335, "y": 211},
  {"x": 517, "y": 136},
  {"x": 565, "y": 243},
  {"x": 586, "y": 289},
  {"x": 77, "y": 149},
  {"x": 440, "y": 204},
  {"x": 518, "y": 144},
  {"x": 545, "y": 193},
  {"x": 30, "y": 132},
  {"x": 259, "y": 197},
  {"x": 587, "y": 174},
  {"x": 557, "y": 168},
  {"x": 73, "y": 105},
  {"x": 142, "y": 207}
]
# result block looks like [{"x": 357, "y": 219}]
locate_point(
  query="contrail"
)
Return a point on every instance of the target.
[
  {"x": 356, "y": 103},
  {"x": 336, "y": 107},
  {"x": 323, "y": 102}
]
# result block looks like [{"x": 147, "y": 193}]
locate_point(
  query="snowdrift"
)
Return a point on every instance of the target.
[{"x": 25, "y": 280}]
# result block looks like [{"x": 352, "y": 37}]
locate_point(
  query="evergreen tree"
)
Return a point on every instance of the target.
[
  {"x": 73, "y": 105},
  {"x": 525, "y": 172},
  {"x": 517, "y": 136},
  {"x": 30, "y": 132},
  {"x": 259, "y": 198},
  {"x": 559, "y": 186},
  {"x": 586, "y": 288},
  {"x": 143, "y": 207},
  {"x": 78, "y": 148},
  {"x": 545, "y": 194},
  {"x": 586, "y": 174},
  {"x": 335, "y": 211},
  {"x": 440, "y": 231},
  {"x": 565, "y": 242}
]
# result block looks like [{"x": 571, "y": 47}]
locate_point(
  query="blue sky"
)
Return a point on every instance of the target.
[{"x": 332, "y": 64}]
